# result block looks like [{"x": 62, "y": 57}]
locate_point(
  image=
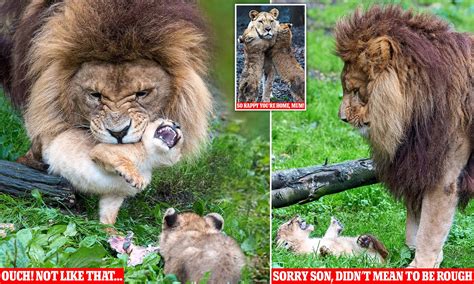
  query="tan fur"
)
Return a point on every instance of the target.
[
  {"x": 256, "y": 42},
  {"x": 295, "y": 236},
  {"x": 193, "y": 246},
  {"x": 286, "y": 64},
  {"x": 112, "y": 171},
  {"x": 110, "y": 67}
]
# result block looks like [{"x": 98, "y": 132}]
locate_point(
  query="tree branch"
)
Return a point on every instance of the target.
[
  {"x": 298, "y": 186},
  {"x": 19, "y": 180}
]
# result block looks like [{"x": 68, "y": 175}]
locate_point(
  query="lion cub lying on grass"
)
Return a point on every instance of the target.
[
  {"x": 294, "y": 235},
  {"x": 115, "y": 171},
  {"x": 193, "y": 246}
]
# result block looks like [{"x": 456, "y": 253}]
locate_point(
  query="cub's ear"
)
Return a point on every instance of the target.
[
  {"x": 275, "y": 12},
  {"x": 290, "y": 25},
  {"x": 378, "y": 54},
  {"x": 253, "y": 14},
  {"x": 215, "y": 220},
  {"x": 171, "y": 217}
]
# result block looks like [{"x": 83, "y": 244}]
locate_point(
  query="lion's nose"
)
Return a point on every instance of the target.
[
  {"x": 268, "y": 29},
  {"x": 119, "y": 134}
]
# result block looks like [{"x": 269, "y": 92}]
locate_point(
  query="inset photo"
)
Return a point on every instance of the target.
[{"x": 270, "y": 57}]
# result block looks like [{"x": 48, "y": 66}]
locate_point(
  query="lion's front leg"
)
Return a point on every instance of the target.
[
  {"x": 120, "y": 159},
  {"x": 437, "y": 212},
  {"x": 411, "y": 229},
  {"x": 109, "y": 206}
]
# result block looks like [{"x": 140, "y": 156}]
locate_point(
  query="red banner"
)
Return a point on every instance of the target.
[
  {"x": 433, "y": 276},
  {"x": 62, "y": 275},
  {"x": 270, "y": 106}
]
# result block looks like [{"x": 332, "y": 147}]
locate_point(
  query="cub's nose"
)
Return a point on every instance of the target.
[
  {"x": 119, "y": 134},
  {"x": 268, "y": 29}
]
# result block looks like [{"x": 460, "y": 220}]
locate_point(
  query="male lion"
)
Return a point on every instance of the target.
[
  {"x": 259, "y": 36},
  {"x": 408, "y": 83},
  {"x": 105, "y": 68},
  {"x": 294, "y": 235}
]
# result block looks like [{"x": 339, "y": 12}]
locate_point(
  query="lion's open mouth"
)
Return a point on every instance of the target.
[{"x": 168, "y": 135}]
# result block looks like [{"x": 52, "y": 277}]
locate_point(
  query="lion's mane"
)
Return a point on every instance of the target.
[
  {"x": 426, "y": 95},
  {"x": 52, "y": 38}
]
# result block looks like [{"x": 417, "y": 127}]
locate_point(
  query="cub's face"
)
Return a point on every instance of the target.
[
  {"x": 296, "y": 228},
  {"x": 116, "y": 101},
  {"x": 354, "y": 106},
  {"x": 265, "y": 23}
]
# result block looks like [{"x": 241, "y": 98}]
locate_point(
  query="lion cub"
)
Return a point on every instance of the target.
[
  {"x": 285, "y": 63},
  {"x": 114, "y": 171},
  {"x": 294, "y": 235},
  {"x": 195, "y": 247}
]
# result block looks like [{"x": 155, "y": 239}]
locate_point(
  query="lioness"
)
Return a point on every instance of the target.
[
  {"x": 115, "y": 171},
  {"x": 258, "y": 38},
  {"x": 193, "y": 246},
  {"x": 294, "y": 235}
]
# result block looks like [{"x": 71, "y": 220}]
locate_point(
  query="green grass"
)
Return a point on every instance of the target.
[{"x": 302, "y": 139}]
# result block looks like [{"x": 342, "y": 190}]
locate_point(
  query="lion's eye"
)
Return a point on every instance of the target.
[
  {"x": 96, "y": 95},
  {"x": 141, "y": 94},
  {"x": 271, "y": 21},
  {"x": 261, "y": 22}
]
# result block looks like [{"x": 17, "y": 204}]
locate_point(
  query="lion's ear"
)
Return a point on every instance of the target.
[
  {"x": 253, "y": 14},
  {"x": 215, "y": 220},
  {"x": 379, "y": 53},
  {"x": 275, "y": 12}
]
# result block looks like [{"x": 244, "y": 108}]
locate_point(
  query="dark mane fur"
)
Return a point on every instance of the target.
[
  {"x": 113, "y": 31},
  {"x": 434, "y": 66}
]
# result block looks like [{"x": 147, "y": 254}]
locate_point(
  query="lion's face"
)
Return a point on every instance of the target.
[
  {"x": 265, "y": 23},
  {"x": 118, "y": 100},
  {"x": 296, "y": 228},
  {"x": 354, "y": 106}
]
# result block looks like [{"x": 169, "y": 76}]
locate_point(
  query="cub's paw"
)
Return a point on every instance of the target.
[
  {"x": 134, "y": 179},
  {"x": 338, "y": 225},
  {"x": 324, "y": 251},
  {"x": 365, "y": 241}
]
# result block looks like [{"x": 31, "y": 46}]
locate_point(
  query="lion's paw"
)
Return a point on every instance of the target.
[
  {"x": 324, "y": 251},
  {"x": 365, "y": 241},
  {"x": 134, "y": 179}
]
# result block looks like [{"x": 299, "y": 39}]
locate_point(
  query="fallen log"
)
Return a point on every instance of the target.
[
  {"x": 19, "y": 180},
  {"x": 299, "y": 186}
]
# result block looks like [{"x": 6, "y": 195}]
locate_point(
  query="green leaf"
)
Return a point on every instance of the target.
[
  {"x": 70, "y": 230},
  {"x": 248, "y": 245},
  {"x": 36, "y": 253},
  {"x": 86, "y": 257},
  {"x": 56, "y": 230},
  {"x": 58, "y": 242},
  {"x": 89, "y": 241}
]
